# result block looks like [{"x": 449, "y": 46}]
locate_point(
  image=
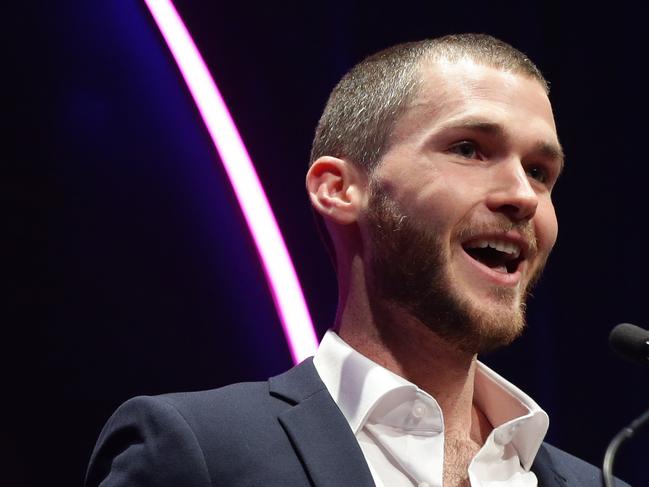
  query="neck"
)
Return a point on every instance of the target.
[{"x": 403, "y": 345}]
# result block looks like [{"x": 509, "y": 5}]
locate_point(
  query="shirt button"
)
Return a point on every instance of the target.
[{"x": 419, "y": 410}]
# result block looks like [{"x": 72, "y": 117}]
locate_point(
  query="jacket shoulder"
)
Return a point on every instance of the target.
[
  {"x": 240, "y": 398},
  {"x": 135, "y": 446},
  {"x": 192, "y": 438},
  {"x": 571, "y": 469}
]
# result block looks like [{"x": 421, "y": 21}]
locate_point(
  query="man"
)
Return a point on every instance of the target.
[{"x": 432, "y": 168}]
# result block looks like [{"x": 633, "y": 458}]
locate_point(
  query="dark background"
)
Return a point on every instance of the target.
[{"x": 129, "y": 268}]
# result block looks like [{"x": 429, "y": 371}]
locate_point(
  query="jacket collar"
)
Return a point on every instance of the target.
[{"x": 318, "y": 431}]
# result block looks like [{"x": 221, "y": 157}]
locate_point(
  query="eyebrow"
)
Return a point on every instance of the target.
[
  {"x": 552, "y": 151},
  {"x": 546, "y": 149}
]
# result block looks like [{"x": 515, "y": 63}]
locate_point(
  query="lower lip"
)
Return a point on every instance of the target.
[{"x": 498, "y": 278}]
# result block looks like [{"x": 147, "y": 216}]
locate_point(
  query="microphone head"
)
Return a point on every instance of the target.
[{"x": 630, "y": 342}]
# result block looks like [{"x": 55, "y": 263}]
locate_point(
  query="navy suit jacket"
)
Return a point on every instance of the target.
[{"x": 286, "y": 432}]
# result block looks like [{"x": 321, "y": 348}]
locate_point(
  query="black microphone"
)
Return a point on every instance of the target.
[{"x": 632, "y": 343}]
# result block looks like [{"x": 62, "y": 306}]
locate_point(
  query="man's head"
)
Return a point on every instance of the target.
[{"x": 443, "y": 154}]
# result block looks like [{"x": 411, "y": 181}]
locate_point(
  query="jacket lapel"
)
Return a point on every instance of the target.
[
  {"x": 318, "y": 431},
  {"x": 545, "y": 470}
]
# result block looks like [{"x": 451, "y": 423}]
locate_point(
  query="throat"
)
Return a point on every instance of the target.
[{"x": 458, "y": 454}]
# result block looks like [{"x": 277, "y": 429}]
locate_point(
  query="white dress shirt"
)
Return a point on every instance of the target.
[{"x": 400, "y": 428}]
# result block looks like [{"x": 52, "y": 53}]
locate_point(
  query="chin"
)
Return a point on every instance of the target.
[
  {"x": 494, "y": 330},
  {"x": 473, "y": 317},
  {"x": 493, "y": 322}
]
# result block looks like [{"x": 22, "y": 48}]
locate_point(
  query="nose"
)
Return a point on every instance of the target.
[{"x": 513, "y": 195}]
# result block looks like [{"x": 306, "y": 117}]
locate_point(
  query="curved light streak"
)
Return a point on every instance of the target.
[{"x": 284, "y": 285}]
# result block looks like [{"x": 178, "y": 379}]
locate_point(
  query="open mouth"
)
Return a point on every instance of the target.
[{"x": 497, "y": 254}]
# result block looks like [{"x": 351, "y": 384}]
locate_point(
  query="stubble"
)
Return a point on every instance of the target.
[{"x": 409, "y": 272}]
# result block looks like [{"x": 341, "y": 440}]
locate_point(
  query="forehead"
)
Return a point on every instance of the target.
[{"x": 449, "y": 90}]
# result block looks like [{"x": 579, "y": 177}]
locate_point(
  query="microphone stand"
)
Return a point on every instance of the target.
[{"x": 626, "y": 433}]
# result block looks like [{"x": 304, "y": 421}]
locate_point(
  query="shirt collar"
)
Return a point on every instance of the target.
[
  {"x": 516, "y": 417},
  {"x": 358, "y": 384},
  {"x": 355, "y": 382}
]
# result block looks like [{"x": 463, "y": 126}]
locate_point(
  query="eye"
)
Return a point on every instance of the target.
[
  {"x": 539, "y": 173},
  {"x": 465, "y": 149}
]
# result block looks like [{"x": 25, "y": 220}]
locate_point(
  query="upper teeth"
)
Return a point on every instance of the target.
[{"x": 510, "y": 248}]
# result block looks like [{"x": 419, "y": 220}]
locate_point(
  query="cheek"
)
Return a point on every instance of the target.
[
  {"x": 446, "y": 194},
  {"x": 547, "y": 228},
  {"x": 434, "y": 199},
  {"x": 439, "y": 210}
]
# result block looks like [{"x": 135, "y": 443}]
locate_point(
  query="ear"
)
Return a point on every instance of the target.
[{"x": 337, "y": 189}]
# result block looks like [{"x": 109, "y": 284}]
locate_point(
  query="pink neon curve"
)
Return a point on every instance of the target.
[{"x": 284, "y": 285}]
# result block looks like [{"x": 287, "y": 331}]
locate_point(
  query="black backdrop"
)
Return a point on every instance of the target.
[{"x": 130, "y": 270}]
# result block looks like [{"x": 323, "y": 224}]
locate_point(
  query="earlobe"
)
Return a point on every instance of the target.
[{"x": 336, "y": 189}]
